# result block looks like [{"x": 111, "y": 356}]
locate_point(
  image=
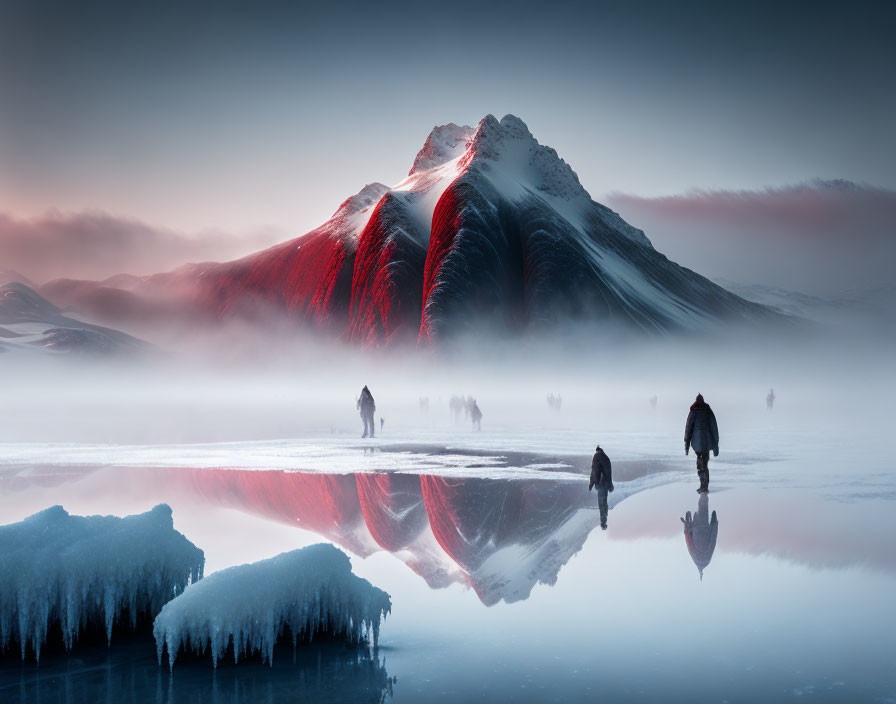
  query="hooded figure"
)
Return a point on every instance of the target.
[
  {"x": 702, "y": 433},
  {"x": 367, "y": 407},
  {"x": 476, "y": 415},
  {"x": 602, "y": 478},
  {"x": 700, "y": 533}
]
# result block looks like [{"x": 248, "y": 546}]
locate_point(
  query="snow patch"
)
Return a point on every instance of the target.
[
  {"x": 352, "y": 216},
  {"x": 445, "y": 143},
  {"x": 309, "y": 591}
]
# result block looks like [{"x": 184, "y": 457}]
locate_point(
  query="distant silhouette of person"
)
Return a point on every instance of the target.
[
  {"x": 475, "y": 414},
  {"x": 770, "y": 399},
  {"x": 653, "y": 400},
  {"x": 367, "y": 406},
  {"x": 700, "y": 533},
  {"x": 702, "y": 433},
  {"x": 602, "y": 478},
  {"x": 382, "y": 420},
  {"x": 456, "y": 404}
]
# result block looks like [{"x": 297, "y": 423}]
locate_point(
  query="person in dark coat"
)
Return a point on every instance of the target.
[
  {"x": 602, "y": 478},
  {"x": 770, "y": 399},
  {"x": 367, "y": 406},
  {"x": 701, "y": 432},
  {"x": 476, "y": 415}
]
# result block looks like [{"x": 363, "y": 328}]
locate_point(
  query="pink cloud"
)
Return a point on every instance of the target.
[
  {"x": 821, "y": 236},
  {"x": 96, "y": 245}
]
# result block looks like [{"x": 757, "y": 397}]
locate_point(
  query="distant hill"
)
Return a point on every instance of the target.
[{"x": 30, "y": 324}]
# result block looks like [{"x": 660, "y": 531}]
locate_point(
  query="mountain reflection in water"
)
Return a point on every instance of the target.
[{"x": 499, "y": 536}]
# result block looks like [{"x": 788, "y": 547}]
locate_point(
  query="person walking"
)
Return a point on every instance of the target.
[
  {"x": 701, "y": 432},
  {"x": 367, "y": 407},
  {"x": 602, "y": 478},
  {"x": 476, "y": 415}
]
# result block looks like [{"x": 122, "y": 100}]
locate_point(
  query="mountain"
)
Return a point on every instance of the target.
[
  {"x": 29, "y": 323},
  {"x": 872, "y": 305},
  {"x": 12, "y": 276},
  {"x": 489, "y": 230}
]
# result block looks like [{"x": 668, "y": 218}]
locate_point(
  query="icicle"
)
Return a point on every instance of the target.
[
  {"x": 71, "y": 570},
  {"x": 308, "y": 591}
]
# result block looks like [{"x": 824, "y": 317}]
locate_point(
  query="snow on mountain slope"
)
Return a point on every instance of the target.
[
  {"x": 31, "y": 324},
  {"x": 20, "y": 304},
  {"x": 489, "y": 228}
]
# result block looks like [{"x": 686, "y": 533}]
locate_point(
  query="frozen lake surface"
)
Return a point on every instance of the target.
[{"x": 504, "y": 587}]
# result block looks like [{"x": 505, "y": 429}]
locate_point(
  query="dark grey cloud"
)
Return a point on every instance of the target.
[
  {"x": 96, "y": 245},
  {"x": 223, "y": 113},
  {"x": 821, "y": 236}
]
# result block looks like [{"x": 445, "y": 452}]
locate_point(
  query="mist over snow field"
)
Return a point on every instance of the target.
[{"x": 488, "y": 543}]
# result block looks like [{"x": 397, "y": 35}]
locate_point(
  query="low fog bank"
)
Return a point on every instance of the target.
[
  {"x": 832, "y": 386},
  {"x": 820, "y": 237},
  {"x": 97, "y": 245}
]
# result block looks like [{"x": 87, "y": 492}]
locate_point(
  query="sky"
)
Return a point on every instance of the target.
[{"x": 264, "y": 116}]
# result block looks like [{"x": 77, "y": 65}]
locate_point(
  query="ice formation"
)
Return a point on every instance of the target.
[
  {"x": 309, "y": 591},
  {"x": 76, "y": 571}
]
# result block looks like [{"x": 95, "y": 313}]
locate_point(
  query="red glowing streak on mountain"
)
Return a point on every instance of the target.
[
  {"x": 375, "y": 312},
  {"x": 449, "y": 503},
  {"x": 446, "y": 219},
  {"x": 393, "y": 508},
  {"x": 298, "y": 278}
]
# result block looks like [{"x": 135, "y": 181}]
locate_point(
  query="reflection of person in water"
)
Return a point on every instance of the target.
[
  {"x": 700, "y": 533},
  {"x": 367, "y": 407},
  {"x": 702, "y": 433},
  {"x": 602, "y": 478}
]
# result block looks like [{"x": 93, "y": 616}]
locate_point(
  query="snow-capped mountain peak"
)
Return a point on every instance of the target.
[
  {"x": 507, "y": 142},
  {"x": 363, "y": 199},
  {"x": 510, "y": 143},
  {"x": 445, "y": 143}
]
